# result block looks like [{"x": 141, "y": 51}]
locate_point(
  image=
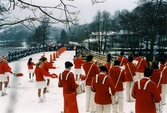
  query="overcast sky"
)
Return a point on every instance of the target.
[{"x": 87, "y": 10}]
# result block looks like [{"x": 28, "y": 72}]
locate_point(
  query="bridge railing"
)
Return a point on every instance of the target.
[{"x": 12, "y": 56}]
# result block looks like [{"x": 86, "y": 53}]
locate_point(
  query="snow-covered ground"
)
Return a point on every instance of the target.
[{"x": 22, "y": 94}]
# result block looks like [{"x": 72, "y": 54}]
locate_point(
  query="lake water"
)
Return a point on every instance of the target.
[{"x": 4, "y": 51}]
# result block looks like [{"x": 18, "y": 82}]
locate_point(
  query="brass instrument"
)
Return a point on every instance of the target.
[{"x": 99, "y": 59}]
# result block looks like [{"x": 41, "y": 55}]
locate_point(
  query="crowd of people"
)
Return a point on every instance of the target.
[
  {"x": 145, "y": 85},
  {"x": 104, "y": 84}
]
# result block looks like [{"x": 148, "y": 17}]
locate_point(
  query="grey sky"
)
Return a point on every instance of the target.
[{"x": 87, "y": 10}]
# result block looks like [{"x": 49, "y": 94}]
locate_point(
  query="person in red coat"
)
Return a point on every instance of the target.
[
  {"x": 46, "y": 66},
  {"x": 109, "y": 65},
  {"x": 3, "y": 77},
  {"x": 30, "y": 65},
  {"x": 156, "y": 77},
  {"x": 146, "y": 94},
  {"x": 90, "y": 71},
  {"x": 67, "y": 81},
  {"x": 8, "y": 72},
  {"x": 118, "y": 77},
  {"x": 130, "y": 69},
  {"x": 123, "y": 60},
  {"x": 78, "y": 62},
  {"x": 103, "y": 87},
  {"x": 141, "y": 65},
  {"x": 40, "y": 81},
  {"x": 163, "y": 68},
  {"x": 162, "y": 64}
]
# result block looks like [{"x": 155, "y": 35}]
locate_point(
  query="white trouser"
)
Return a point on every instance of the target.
[
  {"x": 103, "y": 108},
  {"x": 118, "y": 102},
  {"x": 138, "y": 76},
  {"x": 158, "y": 107},
  {"x": 129, "y": 86},
  {"x": 164, "y": 90},
  {"x": 90, "y": 104}
]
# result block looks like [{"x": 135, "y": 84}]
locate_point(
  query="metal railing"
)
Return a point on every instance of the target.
[{"x": 12, "y": 56}]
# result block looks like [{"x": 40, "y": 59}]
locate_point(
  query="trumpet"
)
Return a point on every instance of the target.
[{"x": 99, "y": 58}]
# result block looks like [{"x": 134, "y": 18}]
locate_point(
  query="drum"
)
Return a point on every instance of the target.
[{"x": 81, "y": 88}]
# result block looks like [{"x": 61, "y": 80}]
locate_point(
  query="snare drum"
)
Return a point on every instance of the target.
[{"x": 81, "y": 88}]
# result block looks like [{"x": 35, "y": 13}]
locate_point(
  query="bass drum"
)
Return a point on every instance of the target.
[{"x": 81, "y": 87}]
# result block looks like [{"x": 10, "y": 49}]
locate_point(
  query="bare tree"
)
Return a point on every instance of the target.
[
  {"x": 66, "y": 14},
  {"x": 38, "y": 12}
]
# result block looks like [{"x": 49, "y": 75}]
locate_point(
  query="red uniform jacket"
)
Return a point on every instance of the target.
[
  {"x": 93, "y": 71},
  {"x": 67, "y": 81},
  {"x": 47, "y": 66},
  {"x": 145, "y": 99},
  {"x": 164, "y": 77},
  {"x": 30, "y": 66},
  {"x": 104, "y": 88},
  {"x": 117, "y": 80},
  {"x": 157, "y": 78},
  {"x": 161, "y": 66},
  {"x": 123, "y": 60},
  {"x": 7, "y": 68},
  {"x": 78, "y": 62},
  {"x": 108, "y": 66},
  {"x": 40, "y": 73},
  {"x": 2, "y": 68},
  {"x": 142, "y": 63},
  {"x": 130, "y": 70}
]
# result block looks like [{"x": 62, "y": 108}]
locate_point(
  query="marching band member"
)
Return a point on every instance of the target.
[
  {"x": 108, "y": 64},
  {"x": 118, "y": 77},
  {"x": 78, "y": 62},
  {"x": 6, "y": 71},
  {"x": 46, "y": 67},
  {"x": 163, "y": 68},
  {"x": 146, "y": 94},
  {"x": 123, "y": 60},
  {"x": 141, "y": 65},
  {"x": 30, "y": 65},
  {"x": 103, "y": 87},
  {"x": 162, "y": 64},
  {"x": 67, "y": 81},
  {"x": 130, "y": 69},
  {"x": 40, "y": 81},
  {"x": 90, "y": 71},
  {"x": 3, "y": 77},
  {"x": 156, "y": 77}
]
